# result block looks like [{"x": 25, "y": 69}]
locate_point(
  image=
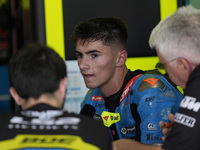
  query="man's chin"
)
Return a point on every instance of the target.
[{"x": 90, "y": 86}]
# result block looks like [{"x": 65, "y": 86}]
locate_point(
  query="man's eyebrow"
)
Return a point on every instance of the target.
[
  {"x": 77, "y": 51},
  {"x": 88, "y": 52}
]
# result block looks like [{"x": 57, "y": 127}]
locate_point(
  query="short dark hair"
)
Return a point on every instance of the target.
[
  {"x": 36, "y": 70},
  {"x": 110, "y": 30}
]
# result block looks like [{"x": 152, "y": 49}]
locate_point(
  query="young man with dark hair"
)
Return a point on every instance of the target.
[
  {"x": 130, "y": 103},
  {"x": 38, "y": 78}
]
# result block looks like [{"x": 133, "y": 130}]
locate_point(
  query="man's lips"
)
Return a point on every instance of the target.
[{"x": 87, "y": 75}]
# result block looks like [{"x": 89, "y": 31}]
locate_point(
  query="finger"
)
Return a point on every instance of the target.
[
  {"x": 162, "y": 124},
  {"x": 166, "y": 132}
]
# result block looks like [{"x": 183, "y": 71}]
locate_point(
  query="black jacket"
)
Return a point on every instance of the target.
[{"x": 43, "y": 126}]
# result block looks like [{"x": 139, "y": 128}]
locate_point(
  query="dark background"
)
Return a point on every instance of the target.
[{"x": 139, "y": 15}]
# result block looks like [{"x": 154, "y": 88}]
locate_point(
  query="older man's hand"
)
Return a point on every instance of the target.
[{"x": 166, "y": 130}]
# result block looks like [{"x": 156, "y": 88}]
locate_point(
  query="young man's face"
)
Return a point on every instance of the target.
[{"x": 96, "y": 62}]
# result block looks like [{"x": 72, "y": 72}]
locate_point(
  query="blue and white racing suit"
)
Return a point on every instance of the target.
[{"x": 145, "y": 100}]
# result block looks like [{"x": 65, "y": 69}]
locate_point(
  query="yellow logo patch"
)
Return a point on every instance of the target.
[{"x": 110, "y": 118}]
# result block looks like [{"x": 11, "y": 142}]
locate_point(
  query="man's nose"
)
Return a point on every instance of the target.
[{"x": 84, "y": 63}]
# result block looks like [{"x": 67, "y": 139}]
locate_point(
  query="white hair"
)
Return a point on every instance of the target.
[{"x": 178, "y": 35}]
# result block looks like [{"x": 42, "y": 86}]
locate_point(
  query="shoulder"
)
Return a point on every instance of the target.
[
  {"x": 156, "y": 84},
  {"x": 143, "y": 80},
  {"x": 148, "y": 81}
]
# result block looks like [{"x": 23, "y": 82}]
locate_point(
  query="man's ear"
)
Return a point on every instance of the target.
[
  {"x": 15, "y": 95},
  {"x": 121, "y": 58},
  {"x": 63, "y": 86},
  {"x": 184, "y": 66}
]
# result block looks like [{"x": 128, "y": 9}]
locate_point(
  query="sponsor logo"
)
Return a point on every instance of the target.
[
  {"x": 47, "y": 140},
  {"x": 105, "y": 118},
  {"x": 152, "y": 137},
  {"x": 114, "y": 117},
  {"x": 110, "y": 118},
  {"x": 151, "y": 127},
  {"x": 53, "y": 142},
  {"x": 128, "y": 87},
  {"x": 41, "y": 124},
  {"x": 99, "y": 105},
  {"x": 151, "y": 81},
  {"x": 126, "y": 104},
  {"x": 96, "y": 98},
  {"x": 97, "y": 117},
  {"x": 125, "y": 92},
  {"x": 126, "y": 130},
  {"x": 190, "y": 103},
  {"x": 148, "y": 99},
  {"x": 169, "y": 94},
  {"x": 185, "y": 120},
  {"x": 42, "y": 115}
]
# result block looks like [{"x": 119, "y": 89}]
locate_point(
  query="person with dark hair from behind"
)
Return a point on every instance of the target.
[
  {"x": 38, "y": 85},
  {"x": 176, "y": 40},
  {"x": 130, "y": 103}
]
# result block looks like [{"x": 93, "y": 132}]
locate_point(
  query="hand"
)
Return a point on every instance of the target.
[{"x": 162, "y": 124}]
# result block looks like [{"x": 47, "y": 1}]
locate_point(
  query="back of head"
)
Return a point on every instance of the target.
[
  {"x": 178, "y": 34},
  {"x": 111, "y": 31},
  {"x": 36, "y": 70}
]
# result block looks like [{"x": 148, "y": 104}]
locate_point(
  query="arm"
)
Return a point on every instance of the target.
[
  {"x": 128, "y": 144},
  {"x": 156, "y": 99}
]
